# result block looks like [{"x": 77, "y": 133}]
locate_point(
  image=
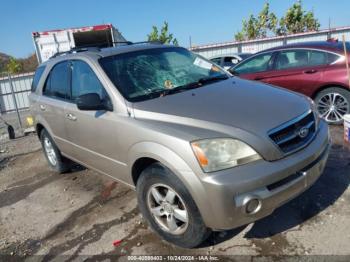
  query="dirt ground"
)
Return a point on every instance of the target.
[{"x": 46, "y": 216}]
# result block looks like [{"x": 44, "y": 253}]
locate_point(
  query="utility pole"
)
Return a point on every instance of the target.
[
  {"x": 346, "y": 58},
  {"x": 329, "y": 33}
]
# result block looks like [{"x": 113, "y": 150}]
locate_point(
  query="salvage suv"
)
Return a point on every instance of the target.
[{"x": 204, "y": 150}]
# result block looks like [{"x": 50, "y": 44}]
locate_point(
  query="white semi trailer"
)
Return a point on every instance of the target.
[{"x": 48, "y": 43}]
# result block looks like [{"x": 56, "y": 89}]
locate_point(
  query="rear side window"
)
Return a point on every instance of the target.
[
  {"x": 57, "y": 83},
  {"x": 38, "y": 73},
  {"x": 318, "y": 58},
  {"x": 256, "y": 64},
  {"x": 292, "y": 59},
  {"x": 84, "y": 81},
  {"x": 332, "y": 58},
  {"x": 303, "y": 58}
]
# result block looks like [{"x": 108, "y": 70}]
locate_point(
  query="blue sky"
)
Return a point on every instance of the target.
[{"x": 205, "y": 21}]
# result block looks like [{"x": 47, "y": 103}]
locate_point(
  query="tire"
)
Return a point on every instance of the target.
[
  {"x": 187, "y": 235},
  {"x": 11, "y": 132},
  {"x": 323, "y": 101},
  {"x": 61, "y": 164}
]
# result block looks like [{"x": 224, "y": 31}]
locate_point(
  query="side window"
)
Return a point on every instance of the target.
[
  {"x": 302, "y": 58},
  {"x": 318, "y": 58},
  {"x": 38, "y": 73},
  {"x": 256, "y": 64},
  {"x": 292, "y": 59},
  {"x": 216, "y": 60},
  {"x": 332, "y": 58},
  {"x": 84, "y": 81},
  {"x": 230, "y": 61},
  {"x": 57, "y": 83}
]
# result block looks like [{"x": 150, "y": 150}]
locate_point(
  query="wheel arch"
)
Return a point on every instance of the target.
[
  {"x": 143, "y": 154},
  {"x": 324, "y": 87},
  {"x": 38, "y": 128},
  {"x": 139, "y": 165},
  {"x": 41, "y": 124}
]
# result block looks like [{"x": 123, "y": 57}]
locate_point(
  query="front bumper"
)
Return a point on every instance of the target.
[{"x": 271, "y": 183}]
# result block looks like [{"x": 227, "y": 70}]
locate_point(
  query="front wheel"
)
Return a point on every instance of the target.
[
  {"x": 332, "y": 104},
  {"x": 169, "y": 208}
]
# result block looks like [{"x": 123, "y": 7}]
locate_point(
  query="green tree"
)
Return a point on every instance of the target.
[
  {"x": 13, "y": 66},
  {"x": 164, "y": 36},
  {"x": 296, "y": 20},
  {"x": 239, "y": 36},
  {"x": 258, "y": 27},
  {"x": 266, "y": 21}
]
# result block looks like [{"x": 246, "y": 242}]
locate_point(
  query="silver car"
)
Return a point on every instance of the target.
[
  {"x": 229, "y": 60},
  {"x": 204, "y": 150}
]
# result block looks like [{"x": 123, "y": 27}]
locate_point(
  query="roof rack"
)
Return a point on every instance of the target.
[
  {"x": 138, "y": 43},
  {"x": 76, "y": 50},
  {"x": 97, "y": 48}
]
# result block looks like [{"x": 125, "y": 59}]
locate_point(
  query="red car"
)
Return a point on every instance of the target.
[{"x": 315, "y": 69}]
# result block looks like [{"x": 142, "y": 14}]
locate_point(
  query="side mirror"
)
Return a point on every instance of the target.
[
  {"x": 232, "y": 71},
  {"x": 92, "y": 102}
]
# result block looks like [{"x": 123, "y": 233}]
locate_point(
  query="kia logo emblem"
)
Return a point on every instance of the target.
[{"x": 303, "y": 132}]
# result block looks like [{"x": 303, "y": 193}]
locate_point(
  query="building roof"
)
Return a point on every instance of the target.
[
  {"x": 326, "y": 45},
  {"x": 233, "y": 43}
]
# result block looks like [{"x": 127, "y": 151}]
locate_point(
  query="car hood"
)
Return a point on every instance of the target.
[{"x": 247, "y": 105}]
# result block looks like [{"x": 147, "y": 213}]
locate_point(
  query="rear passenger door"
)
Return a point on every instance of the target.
[
  {"x": 55, "y": 97},
  {"x": 93, "y": 134},
  {"x": 299, "y": 70}
]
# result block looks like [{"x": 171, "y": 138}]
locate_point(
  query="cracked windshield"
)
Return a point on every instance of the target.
[{"x": 146, "y": 74}]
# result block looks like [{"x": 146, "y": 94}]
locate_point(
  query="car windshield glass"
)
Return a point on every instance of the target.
[{"x": 150, "y": 73}]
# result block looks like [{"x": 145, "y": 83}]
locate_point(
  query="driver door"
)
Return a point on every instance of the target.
[
  {"x": 256, "y": 68},
  {"x": 93, "y": 135}
]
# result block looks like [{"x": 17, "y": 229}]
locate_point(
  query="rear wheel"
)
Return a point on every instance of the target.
[
  {"x": 169, "y": 208},
  {"x": 332, "y": 104},
  {"x": 56, "y": 161}
]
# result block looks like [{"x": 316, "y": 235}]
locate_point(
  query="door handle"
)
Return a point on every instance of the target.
[
  {"x": 72, "y": 117},
  {"x": 42, "y": 107},
  {"x": 311, "y": 71}
]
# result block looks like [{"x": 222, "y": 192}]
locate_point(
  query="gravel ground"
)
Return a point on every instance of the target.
[{"x": 46, "y": 216}]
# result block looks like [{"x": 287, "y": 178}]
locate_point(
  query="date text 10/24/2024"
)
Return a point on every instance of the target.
[{"x": 173, "y": 258}]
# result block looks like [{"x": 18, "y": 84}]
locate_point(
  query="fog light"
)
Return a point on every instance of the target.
[{"x": 253, "y": 206}]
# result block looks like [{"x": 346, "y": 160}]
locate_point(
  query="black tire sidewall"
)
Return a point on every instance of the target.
[
  {"x": 196, "y": 231},
  {"x": 11, "y": 132},
  {"x": 345, "y": 93}
]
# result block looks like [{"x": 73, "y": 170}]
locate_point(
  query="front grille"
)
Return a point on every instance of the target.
[{"x": 294, "y": 134}]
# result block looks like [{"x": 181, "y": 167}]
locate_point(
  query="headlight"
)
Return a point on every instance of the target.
[{"x": 221, "y": 153}]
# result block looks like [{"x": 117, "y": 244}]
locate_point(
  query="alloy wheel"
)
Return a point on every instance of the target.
[
  {"x": 167, "y": 209},
  {"x": 50, "y": 152},
  {"x": 332, "y": 107}
]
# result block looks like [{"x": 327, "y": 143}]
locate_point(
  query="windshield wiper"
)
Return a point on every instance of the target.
[
  {"x": 165, "y": 92},
  {"x": 206, "y": 80},
  {"x": 200, "y": 82}
]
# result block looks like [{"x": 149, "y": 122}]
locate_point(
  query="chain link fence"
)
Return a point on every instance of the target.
[{"x": 14, "y": 103}]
